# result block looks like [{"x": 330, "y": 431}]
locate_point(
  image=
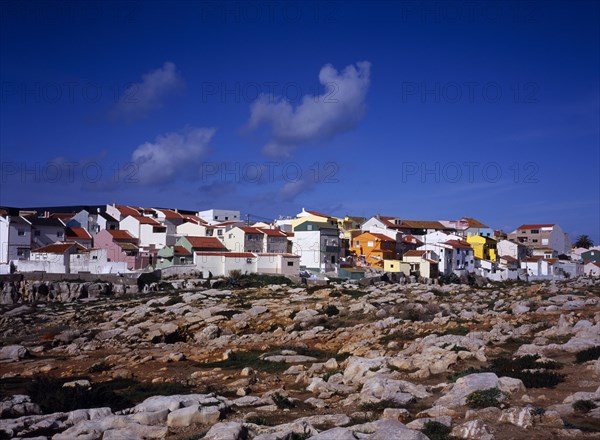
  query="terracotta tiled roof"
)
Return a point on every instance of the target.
[
  {"x": 56, "y": 248},
  {"x": 509, "y": 258},
  {"x": 273, "y": 232},
  {"x": 78, "y": 233},
  {"x": 127, "y": 210},
  {"x": 251, "y": 230},
  {"x": 127, "y": 246},
  {"x": 409, "y": 239},
  {"x": 205, "y": 243},
  {"x": 421, "y": 224},
  {"x": 536, "y": 226},
  {"x": 180, "y": 250},
  {"x": 146, "y": 220},
  {"x": 414, "y": 253},
  {"x": 474, "y": 223},
  {"x": 551, "y": 260},
  {"x": 458, "y": 244},
  {"x": 285, "y": 254},
  {"x": 381, "y": 237},
  {"x": 194, "y": 219},
  {"x": 62, "y": 215},
  {"x": 533, "y": 259},
  {"x": 227, "y": 254},
  {"x": 169, "y": 213},
  {"x": 120, "y": 234},
  {"x": 388, "y": 222},
  {"x": 319, "y": 214}
]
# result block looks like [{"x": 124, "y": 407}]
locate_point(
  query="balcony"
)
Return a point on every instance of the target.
[{"x": 331, "y": 249}]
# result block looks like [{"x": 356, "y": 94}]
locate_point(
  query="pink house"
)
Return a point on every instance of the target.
[{"x": 121, "y": 246}]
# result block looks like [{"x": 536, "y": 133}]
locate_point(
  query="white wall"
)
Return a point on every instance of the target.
[
  {"x": 40, "y": 261},
  {"x": 278, "y": 264},
  {"x": 148, "y": 237},
  {"x": 219, "y": 215},
  {"x": 191, "y": 229},
  {"x": 307, "y": 244},
  {"x": 4, "y": 240}
]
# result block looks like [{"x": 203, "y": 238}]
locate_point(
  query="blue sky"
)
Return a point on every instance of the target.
[{"x": 424, "y": 110}]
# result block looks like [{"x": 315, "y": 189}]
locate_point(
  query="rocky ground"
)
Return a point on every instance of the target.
[{"x": 288, "y": 362}]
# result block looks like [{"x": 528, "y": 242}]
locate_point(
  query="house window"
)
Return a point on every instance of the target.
[
  {"x": 357, "y": 243},
  {"x": 309, "y": 227},
  {"x": 226, "y": 218},
  {"x": 20, "y": 232},
  {"x": 182, "y": 259},
  {"x": 290, "y": 263},
  {"x": 534, "y": 240},
  {"x": 216, "y": 218},
  {"x": 219, "y": 232},
  {"x": 230, "y": 235},
  {"x": 20, "y": 253},
  {"x": 59, "y": 233},
  {"x": 95, "y": 257},
  {"x": 370, "y": 244},
  {"x": 535, "y": 231}
]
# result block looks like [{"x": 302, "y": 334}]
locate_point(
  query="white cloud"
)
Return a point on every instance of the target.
[
  {"x": 291, "y": 190},
  {"x": 139, "y": 99},
  {"x": 170, "y": 155},
  {"x": 316, "y": 118}
]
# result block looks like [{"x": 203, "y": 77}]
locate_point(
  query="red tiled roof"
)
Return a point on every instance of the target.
[
  {"x": 180, "y": 250},
  {"x": 273, "y": 232},
  {"x": 421, "y": 224},
  {"x": 146, "y": 220},
  {"x": 63, "y": 215},
  {"x": 551, "y": 260},
  {"x": 319, "y": 214},
  {"x": 411, "y": 240},
  {"x": 205, "y": 242},
  {"x": 533, "y": 259},
  {"x": 388, "y": 222},
  {"x": 169, "y": 213},
  {"x": 194, "y": 219},
  {"x": 458, "y": 244},
  {"x": 509, "y": 258},
  {"x": 381, "y": 237},
  {"x": 536, "y": 226},
  {"x": 77, "y": 233},
  {"x": 474, "y": 223},
  {"x": 120, "y": 234},
  {"x": 414, "y": 253},
  {"x": 127, "y": 210},
  {"x": 56, "y": 248},
  {"x": 251, "y": 230},
  {"x": 227, "y": 254}
]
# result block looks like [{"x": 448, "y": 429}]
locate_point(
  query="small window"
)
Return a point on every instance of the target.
[
  {"x": 216, "y": 218},
  {"x": 535, "y": 231},
  {"x": 59, "y": 233},
  {"x": 290, "y": 263},
  {"x": 357, "y": 243},
  {"x": 226, "y": 218},
  {"x": 370, "y": 244},
  {"x": 95, "y": 257},
  {"x": 20, "y": 232},
  {"x": 219, "y": 232},
  {"x": 309, "y": 227}
]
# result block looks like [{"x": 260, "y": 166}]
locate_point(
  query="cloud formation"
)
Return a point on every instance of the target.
[
  {"x": 316, "y": 118},
  {"x": 139, "y": 99},
  {"x": 171, "y": 155}
]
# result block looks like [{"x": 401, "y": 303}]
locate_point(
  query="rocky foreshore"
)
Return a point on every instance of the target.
[{"x": 337, "y": 362}]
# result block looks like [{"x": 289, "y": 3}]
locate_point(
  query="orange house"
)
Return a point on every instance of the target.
[{"x": 371, "y": 248}]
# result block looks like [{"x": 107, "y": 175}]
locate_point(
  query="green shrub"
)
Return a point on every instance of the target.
[
  {"x": 99, "y": 367},
  {"x": 584, "y": 406},
  {"x": 331, "y": 310},
  {"x": 378, "y": 406},
  {"x": 437, "y": 431},
  {"x": 590, "y": 354},
  {"x": 242, "y": 359},
  {"x": 175, "y": 299},
  {"x": 484, "y": 398},
  {"x": 282, "y": 402}
]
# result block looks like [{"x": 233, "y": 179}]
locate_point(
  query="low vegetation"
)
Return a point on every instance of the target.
[{"x": 484, "y": 398}]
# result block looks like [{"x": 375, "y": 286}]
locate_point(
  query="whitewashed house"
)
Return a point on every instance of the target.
[
  {"x": 46, "y": 231},
  {"x": 452, "y": 256},
  {"x": 546, "y": 235},
  {"x": 511, "y": 249},
  {"x": 252, "y": 239},
  {"x": 15, "y": 238},
  {"x": 318, "y": 244},
  {"x": 592, "y": 269},
  {"x": 150, "y": 233},
  {"x": 213, "y": 216}
]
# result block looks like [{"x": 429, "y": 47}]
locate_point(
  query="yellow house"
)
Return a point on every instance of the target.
[
  {"x": 313, "y": 216},
  {"x": 414, "y": 262},
  {"x": 484, "y": 248}
]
